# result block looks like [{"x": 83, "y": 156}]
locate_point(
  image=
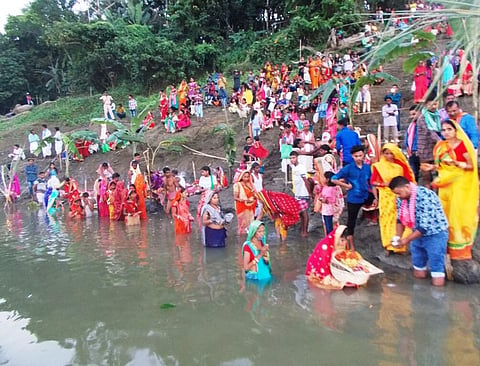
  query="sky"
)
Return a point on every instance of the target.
[{"x": 11, "y": 7}]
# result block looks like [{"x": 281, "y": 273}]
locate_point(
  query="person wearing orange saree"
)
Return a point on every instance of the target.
[
  {"x": 314, "y": 70},
  {"x": 457, "y": 183},
  {"x": 138, "y": 181},
  {"x": 182, "y": 93},
  {"x": 245, "y": 201},
  {"x": 181, "y": 213},
  {"x": 392, "y": 164}
]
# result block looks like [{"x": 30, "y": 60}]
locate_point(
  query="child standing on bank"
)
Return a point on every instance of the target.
[{"x": 132, "y": 105}]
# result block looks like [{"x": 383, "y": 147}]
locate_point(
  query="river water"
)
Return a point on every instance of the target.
[{"x": 100, "y": 293}]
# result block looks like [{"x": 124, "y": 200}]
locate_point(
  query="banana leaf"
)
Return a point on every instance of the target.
[
  {"x": 410, "y": 64},
  {"x": 112, "y": 122},
  {"x": 85, "y": 135},
  {"x": 125, "y": 135}
]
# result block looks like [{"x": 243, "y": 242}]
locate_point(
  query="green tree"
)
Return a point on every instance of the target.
[{"x": 13, "y": 75}]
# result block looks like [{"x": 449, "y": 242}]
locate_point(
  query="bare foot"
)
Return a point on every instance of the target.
[
  {"x": 417, "y": 273},
  {"x": 438, "y": 281}
]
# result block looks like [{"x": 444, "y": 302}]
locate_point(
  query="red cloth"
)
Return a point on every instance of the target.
[
  {"x": 183, "y": 121},
  {"x": 459, "y": 151},
  {"x": 319, "y": 261},
  {"x": 281, "y": 205},
  {"x": 118, "y": 200},
  {"x": 258, "y": 150}
]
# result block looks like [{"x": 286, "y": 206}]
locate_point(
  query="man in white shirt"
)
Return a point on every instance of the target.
[
  {"x": 107, "y": 101},
  {"x": 389, "y": 114},
  {"x": 301, "y": 191},
  {"x": 348, "y": 64},
  {"x": 17, "y": 153},
  {"x": 257, "y": 178}
]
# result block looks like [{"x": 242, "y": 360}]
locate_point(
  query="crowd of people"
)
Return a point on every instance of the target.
[{"x": 322, "y": 157}]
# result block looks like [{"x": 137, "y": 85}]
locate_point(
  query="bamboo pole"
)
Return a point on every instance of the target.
[{"x": 199, "y": 153}]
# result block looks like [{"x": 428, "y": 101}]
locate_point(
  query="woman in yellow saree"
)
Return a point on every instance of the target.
[
  {"x": 457, "y": 183},
  {"x": 392, "y": 163}
]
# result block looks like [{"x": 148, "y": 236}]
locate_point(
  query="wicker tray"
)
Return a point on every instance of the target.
[{"x": 346, "y": 274}]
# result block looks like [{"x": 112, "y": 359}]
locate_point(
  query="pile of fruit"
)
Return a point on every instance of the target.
[{"x": 350, "y": 258}]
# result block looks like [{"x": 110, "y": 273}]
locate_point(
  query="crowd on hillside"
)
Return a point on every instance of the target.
[{"x": 322, "y": 157}]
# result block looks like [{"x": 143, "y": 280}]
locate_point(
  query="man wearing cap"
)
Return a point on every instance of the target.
[{"x": 389, "y": 114}]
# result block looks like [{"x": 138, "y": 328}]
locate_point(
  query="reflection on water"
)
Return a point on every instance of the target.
[{"x": 99, "y": 293}]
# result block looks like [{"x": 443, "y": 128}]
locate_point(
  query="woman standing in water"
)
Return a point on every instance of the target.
[
  {"x": 245, "y": 201},
  {"x": 130, "y": 209},
  {"x": 181, "y": 213},
  {"x": 392, "y": 164},
  {"x": 256, "y": 257},
  {"x": 457, "y": 183},
  {"x": 213, "y": 221}
]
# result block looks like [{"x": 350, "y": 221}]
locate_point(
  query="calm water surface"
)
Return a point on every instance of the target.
[{"x": 100, "y": 293}]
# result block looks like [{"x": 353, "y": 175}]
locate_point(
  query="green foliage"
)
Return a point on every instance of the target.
[
  {"x": 229, "y": 143},
  {"x": 145, "y": 45}
]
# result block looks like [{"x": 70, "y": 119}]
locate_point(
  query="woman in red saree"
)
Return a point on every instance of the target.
[
  {"x": 130, "y": 209},
  {"x": 245, "y": 201},
  {"x": 118, "y": 200},
  {"x": 421, "y": 82},
  {"x": 181, "y": 213},
  {"x": 183, "y": 120},
  {"x": 318, "y": 264},
  {"x": 163, "y": 106},
  {"x": 76, "y": 208},
  {"x": 281, "y": 208}
]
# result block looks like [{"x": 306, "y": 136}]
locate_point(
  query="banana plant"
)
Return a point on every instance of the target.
[
  {"x": 464, "y": 19},
  {"x": 229, "y": 142},
  {"x": 133, "y": 133},
  {"x": 173, "y": 144},
  {"x": 332, "y": 85}
]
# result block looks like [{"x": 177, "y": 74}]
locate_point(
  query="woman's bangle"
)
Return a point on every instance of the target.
[
  {"x": 256, "y": 260},
  {"x": 462, "y": 165}
]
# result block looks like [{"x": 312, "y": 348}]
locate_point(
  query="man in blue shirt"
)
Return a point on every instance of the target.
[
  {"x": 410, "y": 143},
  {"x": 355, "y": 178},
  {"x": 420, "y": 209},
  {"x": 346, "y": 139},
  {"x": 31, "y": 172},
  {"x": 465, "y": 120}
]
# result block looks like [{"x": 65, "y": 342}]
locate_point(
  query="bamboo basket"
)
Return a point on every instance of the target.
[{"x": 346, "y": 274}]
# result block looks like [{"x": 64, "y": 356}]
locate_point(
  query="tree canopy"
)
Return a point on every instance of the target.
[{"x": 51, "y": 50}]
